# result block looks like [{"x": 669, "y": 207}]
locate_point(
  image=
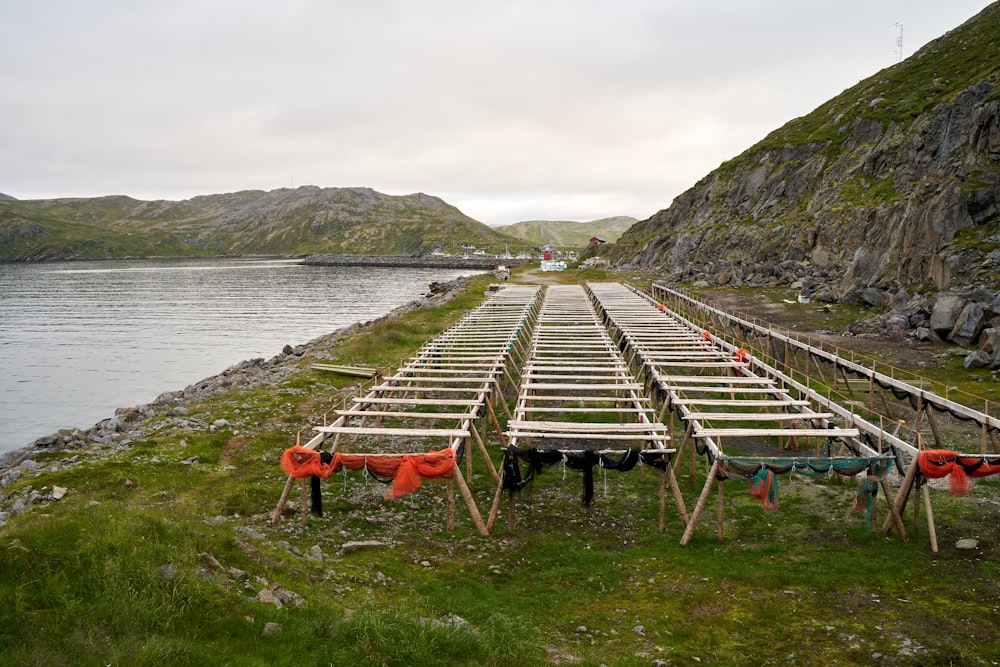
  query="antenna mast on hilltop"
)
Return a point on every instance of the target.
[{"x": 899, "y": 43}]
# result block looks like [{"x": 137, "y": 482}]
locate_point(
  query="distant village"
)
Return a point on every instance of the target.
[{"x": 551, "y": 257}]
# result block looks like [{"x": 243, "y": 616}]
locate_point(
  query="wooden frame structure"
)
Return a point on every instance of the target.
[
  {"x": 783, "y": 347},
  {"x": 575, "y": 371},
  {"x": 716, "y": 390},
  {"x": 441, "y": 393}
]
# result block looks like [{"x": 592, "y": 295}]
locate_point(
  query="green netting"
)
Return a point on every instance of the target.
[{"x": 762, "y": 473}]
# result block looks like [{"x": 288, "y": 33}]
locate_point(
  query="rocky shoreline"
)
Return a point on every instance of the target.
[{"x": 114, "y": 434}]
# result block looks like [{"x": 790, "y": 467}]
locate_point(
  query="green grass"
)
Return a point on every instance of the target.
[{"x": 114, "y": 572}]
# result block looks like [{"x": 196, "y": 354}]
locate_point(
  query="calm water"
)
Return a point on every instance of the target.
[{"x": 80, "y": 339}]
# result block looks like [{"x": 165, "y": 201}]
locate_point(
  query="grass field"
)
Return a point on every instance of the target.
[{"x": 150, "y": 559}]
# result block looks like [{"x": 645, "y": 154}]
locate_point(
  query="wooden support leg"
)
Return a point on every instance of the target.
[
  {"x": 904, "y": 493},
  {"x": 450, "y": 504},
  {"x": 486, "y": 455},
  {"x": 893, "y": 512},
  {"x": 934, "y": 429},
  {"x": 305, "y": 500},
  {"x": 692, "y": 471},
  {"x": 470, "y": 503},
  {"x": 496, "y": 422},
  {"x": 495, "y": 508},
  {"x": 678, "y": 499},
  {"x": 930, "y": 518},
  {"x": 700, "y": 505},
  {"x": 276, "y": 514},
  {"x": 720, "y": 511},
  {"x": 663, "y": 501}
]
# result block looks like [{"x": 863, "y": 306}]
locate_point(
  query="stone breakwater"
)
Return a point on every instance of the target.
[
  {"x": 413, "y": 261},
  {"x": 116, "y": 433}
]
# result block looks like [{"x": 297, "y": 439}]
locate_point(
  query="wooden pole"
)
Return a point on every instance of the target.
[
  {"x": 933, "y": 424},
  {"x": 468, "y": 453},
  {"x": 720, "y": 511},
  {"x": 496, "y": 422},
  {"x": 470, "y": 503},
  {"x": 893, "y": 513},
  {"x": 486, "y": 455},
  {"x": 305, "y": 500},
  {"x": 663, "y": 500},
  {"x": 678, "y": 499},
  {"x": 449, "y": 499},
  {"x": 903, "y": 495},
  {"x": 700, "y": 505},
  {"x": 930, "y": 517},
  {"x": 495, "y": 507},
  {"x": 282, "y": 502}
]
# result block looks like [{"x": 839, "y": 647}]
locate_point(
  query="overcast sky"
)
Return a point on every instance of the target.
[{"x": 508, "y": 109}]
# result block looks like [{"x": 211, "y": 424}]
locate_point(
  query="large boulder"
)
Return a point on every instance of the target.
[
  {"x": 944, "y": 314},
  {"x": 969, "y": 324}
]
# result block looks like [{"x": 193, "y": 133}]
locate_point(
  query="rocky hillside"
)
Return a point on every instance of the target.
[
  {"x": 889, "y": 189},
  {"x": 285, "y": 221},
  {"x": 567, "y": 233}
]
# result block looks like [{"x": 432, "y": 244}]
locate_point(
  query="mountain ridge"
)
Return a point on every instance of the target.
[
  {"x": 303, "y": 220},
  {"x": 568, "y": 232}
]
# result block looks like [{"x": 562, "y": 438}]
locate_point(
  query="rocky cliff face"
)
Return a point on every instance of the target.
[{"x": 890, "y": 189}]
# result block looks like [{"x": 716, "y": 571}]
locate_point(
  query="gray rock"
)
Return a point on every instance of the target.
[
  {"x": 969, "y": 324},
  {"x": 456, "y": 621},
  {"x": 271, "y": 629},
  {"x": 18, "y": 507},
  {"x": 873, "y": 296},
  {"x": 351, "y": 547},
  {"x": 315, "y": 553},
  {"x": 944, "y": 314},
  {"x": 209, "y": 561},
  {"x": 896, "y": 323},
  {"x": 249, "y": 532},
  {"x": 967, "y": 544},
  {"x": 977, "y": 359},
  {"x": 287, "y": 597},
  {"x": 10, "y": 477},
  {"x": 290, "y": 548}
]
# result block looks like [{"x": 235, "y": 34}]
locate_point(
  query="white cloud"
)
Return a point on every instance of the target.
[{"x": 516, "y": 109}]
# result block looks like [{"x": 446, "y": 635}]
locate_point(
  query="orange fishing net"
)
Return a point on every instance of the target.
[
  {"x": 936, "y": 463},
  {"x": 407, "y": 471}
]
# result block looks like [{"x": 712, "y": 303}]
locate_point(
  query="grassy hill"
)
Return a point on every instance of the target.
[
  {"x": 284, "y": 221},
  {"x": 566, "y": 233}
]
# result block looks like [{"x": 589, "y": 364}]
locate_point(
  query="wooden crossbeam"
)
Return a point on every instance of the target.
[
  {"x": 408, "y": 432},
  {"x": 766, "y": 432}
]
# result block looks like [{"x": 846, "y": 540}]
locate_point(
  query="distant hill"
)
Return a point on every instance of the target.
[
  {"x": 303, "y": 220},
  {"x": 890, "y": 188},
  {"x": 8, "y": 197},
  {"x": 568, "y": 233}
]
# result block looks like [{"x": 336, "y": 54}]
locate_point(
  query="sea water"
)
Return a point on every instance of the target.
[{"x": 80, "y": 339}]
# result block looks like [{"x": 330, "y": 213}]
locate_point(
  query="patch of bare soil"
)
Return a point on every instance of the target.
[{"x": 897, "y": 350}]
